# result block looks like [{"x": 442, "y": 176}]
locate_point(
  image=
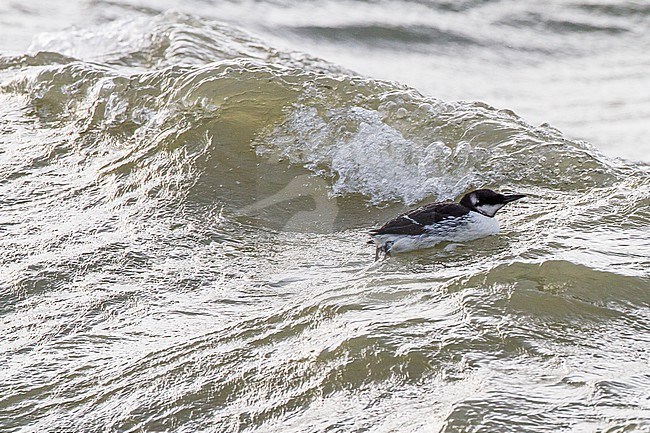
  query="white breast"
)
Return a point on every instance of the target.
[{"x": 477, "y": 227}]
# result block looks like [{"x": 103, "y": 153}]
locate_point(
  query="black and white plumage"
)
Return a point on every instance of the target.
[{"x": 428, "y": 225}]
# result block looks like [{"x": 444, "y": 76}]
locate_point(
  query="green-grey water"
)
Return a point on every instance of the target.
[{"x": 183, "y": 224}]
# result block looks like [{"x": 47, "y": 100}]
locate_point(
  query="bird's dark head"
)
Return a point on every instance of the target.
[{"x": 487, "y": 202}]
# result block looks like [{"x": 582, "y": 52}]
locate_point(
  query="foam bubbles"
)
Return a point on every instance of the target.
[{"x": 365, "y": 155}]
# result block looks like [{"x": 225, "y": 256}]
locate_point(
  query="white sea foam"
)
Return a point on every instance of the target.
[{"x": 366, "y": 155}]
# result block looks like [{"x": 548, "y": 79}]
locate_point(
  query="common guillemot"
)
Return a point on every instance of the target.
[{"x": 433, "y": 223}]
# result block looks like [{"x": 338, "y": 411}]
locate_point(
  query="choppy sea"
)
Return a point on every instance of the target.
[{"x": 186, "y": 190}]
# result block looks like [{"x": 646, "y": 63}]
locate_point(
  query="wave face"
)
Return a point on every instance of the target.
[{"x": 183, "y": 227}]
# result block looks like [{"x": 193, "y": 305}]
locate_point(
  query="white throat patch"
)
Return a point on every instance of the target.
[{"x": 489, "y": 209}]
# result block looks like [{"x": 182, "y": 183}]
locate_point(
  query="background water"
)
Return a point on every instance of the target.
[
  {"x": 184, "y": 209},
  {"x": 581, "y": 66}
]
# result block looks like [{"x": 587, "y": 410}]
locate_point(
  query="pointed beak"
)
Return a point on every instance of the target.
[{"x": 513, "y": 197}]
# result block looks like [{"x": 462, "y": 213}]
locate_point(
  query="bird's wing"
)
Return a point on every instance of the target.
[{"x": 415, "y": 222}]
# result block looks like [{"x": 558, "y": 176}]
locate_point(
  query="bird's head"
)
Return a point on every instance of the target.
[{"x": 487, "y": 202}]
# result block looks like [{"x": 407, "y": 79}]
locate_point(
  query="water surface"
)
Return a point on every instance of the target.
[{"x": 183, "y": 242}]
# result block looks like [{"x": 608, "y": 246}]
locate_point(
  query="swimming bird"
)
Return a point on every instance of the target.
[{"x": 424, "y": 227}]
